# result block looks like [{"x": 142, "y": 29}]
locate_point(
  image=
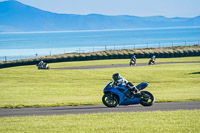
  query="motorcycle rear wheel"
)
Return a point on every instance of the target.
[
  {"x": 147, "y": 98},
  {"x": 110, "y": 100}
]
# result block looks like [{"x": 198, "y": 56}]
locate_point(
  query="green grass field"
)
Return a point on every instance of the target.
[
  {"x": 26, "y": 86},
  {"x": 135, "y": 122}
]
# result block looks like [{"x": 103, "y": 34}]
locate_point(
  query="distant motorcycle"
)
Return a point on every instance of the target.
[
  {"x": 152, "y": 61},
  {"x": 115, "y": 95},
  {"x": 43, "y": 66}
]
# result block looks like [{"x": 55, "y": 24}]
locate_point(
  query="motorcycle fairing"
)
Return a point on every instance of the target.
[{"x": 123, "y": 100}]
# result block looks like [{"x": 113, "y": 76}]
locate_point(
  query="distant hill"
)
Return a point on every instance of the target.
[{"x": 15, "y": 16}]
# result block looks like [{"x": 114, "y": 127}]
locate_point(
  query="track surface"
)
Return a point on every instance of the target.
[
  {"x": 117, "y": 66},
  {"x": 64, "y": 110}
]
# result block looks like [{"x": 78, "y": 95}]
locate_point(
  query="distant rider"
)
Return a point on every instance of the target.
[
  {"x": 120, "y": 81},
  {"x": 133, "y": 59},
  {"x": 153, "y": 59},
  {"x": 40, "y": 64}
]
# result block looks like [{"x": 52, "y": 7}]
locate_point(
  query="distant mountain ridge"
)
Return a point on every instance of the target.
[{"x": 15, "y": 16}]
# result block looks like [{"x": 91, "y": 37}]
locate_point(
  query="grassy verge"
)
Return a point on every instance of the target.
[
  {"x": 28, "y": 87},
  {"x": 120, "y": 61},
  {"x": 138, "y": 122}
]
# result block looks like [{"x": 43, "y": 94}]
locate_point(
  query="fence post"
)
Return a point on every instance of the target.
[
  {"x": 114, "y": 46},
  {"x": 105, "y": 48},
  {"x": 172, "y": 44},
  {"x": 5, "y": 59},
  {"x": 185, "y": 43},
  {"x": 134, "y": 45}
]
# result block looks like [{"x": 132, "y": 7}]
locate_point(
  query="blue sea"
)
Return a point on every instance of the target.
[{"x": 23, "y": 45}]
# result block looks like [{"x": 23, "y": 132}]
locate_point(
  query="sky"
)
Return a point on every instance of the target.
[{"x": 142, "y": 8}]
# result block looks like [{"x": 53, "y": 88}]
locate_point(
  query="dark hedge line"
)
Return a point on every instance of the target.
[{"x": 104, "y": 55}]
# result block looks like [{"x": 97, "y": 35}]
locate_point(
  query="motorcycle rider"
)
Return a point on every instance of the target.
[
  {"x": 133, "y": 59},
  {"x": 120, "y": 81},
  {"x": 153, "y": 59},
  {"x": 40, "y": 64}
]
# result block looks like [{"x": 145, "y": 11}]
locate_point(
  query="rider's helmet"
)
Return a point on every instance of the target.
[
  {"x": 116, "y": 76},
  {"x": 40, "y": 63},
  {"x": 153, "y": 57}
]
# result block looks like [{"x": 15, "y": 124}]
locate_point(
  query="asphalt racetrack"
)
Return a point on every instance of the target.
[
  {"x": 117, "y": 66},
  {"x": 66, "y": 110}
]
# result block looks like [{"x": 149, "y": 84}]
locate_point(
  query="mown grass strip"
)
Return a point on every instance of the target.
[{"x": 137, "y": 122}]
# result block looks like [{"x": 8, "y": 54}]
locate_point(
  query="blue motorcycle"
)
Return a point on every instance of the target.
[{"x": 121, "y": 95}]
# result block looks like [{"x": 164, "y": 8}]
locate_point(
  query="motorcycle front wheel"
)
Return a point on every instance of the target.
[
  {"x": 147, "y": 98},
  {"x": 110, "y": 100}
]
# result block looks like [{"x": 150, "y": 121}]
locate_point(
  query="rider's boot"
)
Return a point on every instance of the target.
[{"x": 137, "y": 92}]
